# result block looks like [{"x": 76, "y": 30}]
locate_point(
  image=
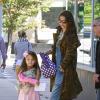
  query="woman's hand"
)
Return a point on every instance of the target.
[
  {"x": 49, "y": 52},
  {"x": 96, "y": 77},
  {"x": 61, "y": 69}
]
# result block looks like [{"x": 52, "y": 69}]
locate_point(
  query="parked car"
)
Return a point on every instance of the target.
[{"x": 86, "y": 31}]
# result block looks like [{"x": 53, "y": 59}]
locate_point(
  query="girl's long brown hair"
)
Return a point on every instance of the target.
[{"x": 24, "y": 65}]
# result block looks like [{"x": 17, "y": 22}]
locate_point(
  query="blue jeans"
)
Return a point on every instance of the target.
[
  {"x": 58, "y": 79},
  {"x": 98, "y": 94},
  {"x": 57, "y": 86}
]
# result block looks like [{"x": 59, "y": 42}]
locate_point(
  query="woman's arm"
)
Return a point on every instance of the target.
[
  {"x": 49, "y": 52},
  {"x": 68, "y": 58}
]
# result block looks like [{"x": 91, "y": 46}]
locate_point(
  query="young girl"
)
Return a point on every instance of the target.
[{"x": 28, "y": 77}]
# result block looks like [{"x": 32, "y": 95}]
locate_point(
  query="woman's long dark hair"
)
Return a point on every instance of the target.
[
  {"x": 70, "y": 21},
  {"x": 24, "y": 65},
  {"x": 71, "y": 28}
]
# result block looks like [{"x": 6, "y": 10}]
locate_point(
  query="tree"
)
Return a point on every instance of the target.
[
  {"x": 15, "y": 13},
  {"x": 81, "y": 15},
  {"x": 97, "y": 9},
  {"x": 88, "y": 11}
]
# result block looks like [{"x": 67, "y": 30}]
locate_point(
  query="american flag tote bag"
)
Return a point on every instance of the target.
[{"x": 48, "y": 68}]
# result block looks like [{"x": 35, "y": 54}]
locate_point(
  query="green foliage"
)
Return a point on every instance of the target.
[
  {"x": 97, "y": 10},
  {"x": 15, "y": 12},
  {"x": 88, "y": 11},
  {"x": 84, "y": 13}
]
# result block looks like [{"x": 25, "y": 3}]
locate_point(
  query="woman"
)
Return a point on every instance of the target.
[
  {"x": 21, "y": 45},
  {"x": 67, "y": 85}
]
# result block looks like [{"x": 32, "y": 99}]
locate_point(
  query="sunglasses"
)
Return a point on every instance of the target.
[
  {"x": 96, "y": 25},
  {"x": 63, "y": 22}
]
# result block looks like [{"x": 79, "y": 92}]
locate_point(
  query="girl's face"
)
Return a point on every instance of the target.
[
  {"x": 30, "y": 61},
  {"x": 62, "y": 22}
]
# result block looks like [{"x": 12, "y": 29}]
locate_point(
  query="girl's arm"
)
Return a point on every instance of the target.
[
  {"x": 18, "y": 70},
  {"x": 25, "y": 79},
  {"x": 38, "y": 75}
]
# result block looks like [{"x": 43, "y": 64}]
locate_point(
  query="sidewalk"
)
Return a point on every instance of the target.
[{"x": 7, "y": 90}]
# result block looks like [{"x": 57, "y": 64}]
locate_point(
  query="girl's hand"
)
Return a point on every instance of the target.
[
  {"x": 37, "y": 83},
  {"x": 23, "y": 83}
]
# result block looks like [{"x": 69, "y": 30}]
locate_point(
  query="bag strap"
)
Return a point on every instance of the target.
[
  {"x": 28, "y": 46},
  {"x": 46, "y": 59}
]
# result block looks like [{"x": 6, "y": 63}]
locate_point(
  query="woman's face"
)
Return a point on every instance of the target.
[
  {"x": 30, "y": 61},
  {"x": 62, "y": 22}
]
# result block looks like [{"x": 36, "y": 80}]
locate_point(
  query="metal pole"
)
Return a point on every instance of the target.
[
  {"x": 0, "y": 18},
  {"x": 92, "y": 37},
  {"x": 66, "y": 4},
  {"x": 75, "y": 13}
]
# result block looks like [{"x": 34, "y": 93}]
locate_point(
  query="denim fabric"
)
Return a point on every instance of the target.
[
  {"x": 58, "y": 57},
  {"x": 59, "y": 77},
  {"x": 98, "y": 94},
  {"x": 21, "y": 46},
  {"x": 3, "y": 52}
]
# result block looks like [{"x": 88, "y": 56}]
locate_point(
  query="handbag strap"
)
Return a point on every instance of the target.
[
  {"x": 46, "y": 59},
  {"x": 28, "y": 46}
]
